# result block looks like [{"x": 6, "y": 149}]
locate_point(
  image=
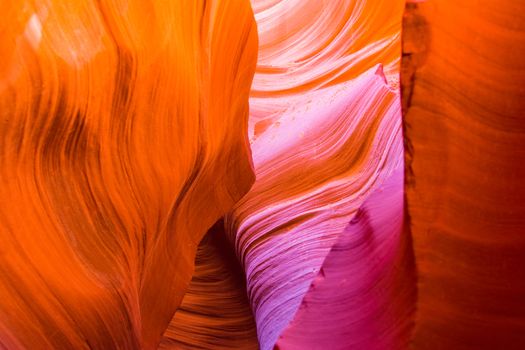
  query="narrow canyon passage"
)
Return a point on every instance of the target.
[{"x": 264, "y": 174}]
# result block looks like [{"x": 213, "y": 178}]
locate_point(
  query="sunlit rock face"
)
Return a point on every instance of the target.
[
  {"x": 305, "y": 45},
  {"x": 315, "y": 167},
  {"x": 123, "y": 139},
  {"x": 325, "y": 130},
  {"x": 273, "y": 174},
  {"x": 362, "y": 295},
  {"x": 463, "y": 86}
]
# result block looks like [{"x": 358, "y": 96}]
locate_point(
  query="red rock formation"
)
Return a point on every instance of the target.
[
  {"x": 124, "y": 137},
  {"x": 215, "y": 312},
  {"x": 122, "y": 140},
  {"x": 463, "y": 77}
]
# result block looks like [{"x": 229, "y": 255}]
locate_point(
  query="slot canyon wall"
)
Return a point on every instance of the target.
[
  {"x": 264, "y": 174},
  {"x": 463, "y": 81},
  {"x": 123, "y": 140}
]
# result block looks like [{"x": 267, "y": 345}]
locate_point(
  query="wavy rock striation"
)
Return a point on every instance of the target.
[
  {"x": 312, "y": 177},
  {"x": 363, "y": 295},
  {"x": 215, "y": 312},
  {"x": 125, "y": 134},
  {"x": 305, "y": 45},
  {"x": 325, "y": 129},
  {"x": 122, "y": 140}
]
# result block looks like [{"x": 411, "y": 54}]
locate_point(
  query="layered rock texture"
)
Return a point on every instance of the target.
[
  {"x": 273, "y": 174},
  {"x": 123, "y": 139},
  {"x": 325, "y": 128},
  {"x": 464, "y": 87},
  {"x": 315, "y": 167}
]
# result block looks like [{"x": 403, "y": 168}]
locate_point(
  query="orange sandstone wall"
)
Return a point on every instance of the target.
[
  {"x": 463, "y": 78},
  {"x": 123, "y": 139},
  {"x": 215, "y": 312}
]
